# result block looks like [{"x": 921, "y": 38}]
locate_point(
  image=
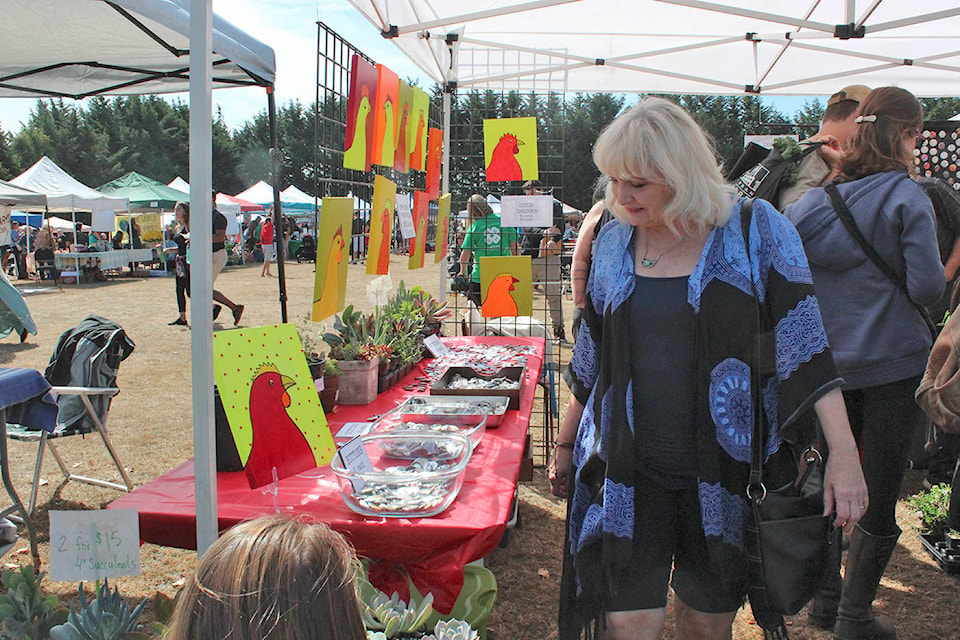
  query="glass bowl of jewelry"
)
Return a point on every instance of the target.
[
  {"x": 466, "y": 381},
  {"x": 409, "y": 475}
]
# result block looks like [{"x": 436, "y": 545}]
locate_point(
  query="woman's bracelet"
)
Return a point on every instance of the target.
[{"x": 563, "y": 445}]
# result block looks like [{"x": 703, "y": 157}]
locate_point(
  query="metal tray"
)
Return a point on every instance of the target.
[
  {"x": 442, "y": 386},
  {"x": 418, "y": 408}
]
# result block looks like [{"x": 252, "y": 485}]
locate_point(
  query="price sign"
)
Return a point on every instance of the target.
[
  {"x": 354, "y": 456},
  {"x": 526, "y": 211},
  {"x": 435, "y": 346},
  {"x": 351, "y": 430},
  {"x": 405, "y": 216},
  {"x": 93, "y": 545}
]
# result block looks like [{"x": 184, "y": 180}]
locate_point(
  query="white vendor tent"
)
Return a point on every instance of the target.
[
  {"x": 780, "y": 47},
  {"x": 82, "y": 48},
  {"x": 65, "y": 193},
  {"x": 12, "y": 195},
  {"x": 179, "y": 184}
]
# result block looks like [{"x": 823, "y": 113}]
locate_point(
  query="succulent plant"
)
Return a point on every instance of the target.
[
  {"x": 26, "y": 613},
  {"x": 452, "y": 629},
  {"x": 106, "y": 617},
  {"x": 391, "y": 617}
]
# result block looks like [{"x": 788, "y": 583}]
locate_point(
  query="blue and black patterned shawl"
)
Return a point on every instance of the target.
[{"x": 600, "y": 521}]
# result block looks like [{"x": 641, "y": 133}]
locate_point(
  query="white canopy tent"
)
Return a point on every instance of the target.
[
  {"x": 778, "y": 47},
  {"x": 122, "y": 47},
  {"x": 179, "y": 184}
]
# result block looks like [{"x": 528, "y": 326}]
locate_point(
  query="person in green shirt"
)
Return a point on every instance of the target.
[{"x": 484, "y": 238}]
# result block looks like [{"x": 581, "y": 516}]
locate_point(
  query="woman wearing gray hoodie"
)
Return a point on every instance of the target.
[{"x": 879, "y": 340}]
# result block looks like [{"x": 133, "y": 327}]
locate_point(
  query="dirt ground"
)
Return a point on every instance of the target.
[{"x": 150, "y": 424}]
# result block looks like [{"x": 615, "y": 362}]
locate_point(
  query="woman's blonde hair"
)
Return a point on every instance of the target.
[
  {"x": 477, "y": 206},
  {"x": 658, "y": 141},
  {"x": 274, "y": 578},
  {"x": 877, "y": 143}
]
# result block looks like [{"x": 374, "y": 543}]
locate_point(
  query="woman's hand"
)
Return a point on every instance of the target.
[
  {"x": 559, "y": 470},
  {"x": 844, "y": 489}
]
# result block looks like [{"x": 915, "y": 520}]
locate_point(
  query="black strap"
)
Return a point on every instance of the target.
[
  {"x": 756, "y": 441},
  {"x": 898, "y": 280}
]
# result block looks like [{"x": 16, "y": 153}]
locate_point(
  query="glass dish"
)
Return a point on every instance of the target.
[
  {"x": 403, "y": 487},
  {"x": 415, "y": 407},
  {"x": 446, "y": 415}
]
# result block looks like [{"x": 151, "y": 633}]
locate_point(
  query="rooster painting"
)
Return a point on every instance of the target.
[
  {"x": 386, "y": 232},
  {"x": 503, "y": 163},
  {"x": 401, "y": 159},
  {"x": 277, "y": 441},
  {"x": 499, "y": 300},
  {"x": 355, "y": 157},
  {"x": 326, "y": 299}
]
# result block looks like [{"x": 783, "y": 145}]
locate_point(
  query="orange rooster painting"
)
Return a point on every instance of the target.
[
  {"x": 360, "y": 102},
  {"x": 418, "y": 244},
  {"x": 510, "y": 149},
  {"x": 386, "y": 117},
  {"x": 498, "y": 300},
  {"x": 443, "y": 225},
  {"x": 277, "y": 441},
  {"x": 434, "y": 158},
  {"x": 381, "y": 225}
]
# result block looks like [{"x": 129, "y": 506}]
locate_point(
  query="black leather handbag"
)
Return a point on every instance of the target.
[{"x": 788, "y": 537}]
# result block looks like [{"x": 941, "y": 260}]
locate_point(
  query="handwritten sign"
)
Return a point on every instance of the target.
[
  {"x": 93, "y": 545},
  {"x": 354, "y": 456},
  {"x": 526, "y": 211},
  {"x": 435, "y": 346},
  {"x": 353, "y": 429},
  {"x": 405, "y": 216}
]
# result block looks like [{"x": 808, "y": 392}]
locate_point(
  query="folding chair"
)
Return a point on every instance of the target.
[
  {"x": 45, "y": 266},
  {"x": 87, "y": 355}
]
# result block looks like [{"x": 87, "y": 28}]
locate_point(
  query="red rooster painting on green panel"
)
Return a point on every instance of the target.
[{"x": 503, "y": 163}]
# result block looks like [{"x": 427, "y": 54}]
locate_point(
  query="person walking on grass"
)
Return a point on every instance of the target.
[
  {"x": 181, "y": 262},
  {"x": 266, "y": 244},
  {"x": 219, "y": 262}
]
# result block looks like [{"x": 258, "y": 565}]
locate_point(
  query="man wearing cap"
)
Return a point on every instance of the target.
[
  {"x": 835, "y": 130},
  {"x": 545, "y": 268}
]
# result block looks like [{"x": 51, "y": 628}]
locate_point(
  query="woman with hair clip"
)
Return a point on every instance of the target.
[
  {"x": 654, "y": 450},
  {"x": 485, "y": 237},
  {"x": 880, "y": 340},
  {"x": 273, "y": 578},
  {"x": 181, "y": 263}
]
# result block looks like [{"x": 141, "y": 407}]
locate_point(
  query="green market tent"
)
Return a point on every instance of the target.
[{"x": 144, "y": 192}]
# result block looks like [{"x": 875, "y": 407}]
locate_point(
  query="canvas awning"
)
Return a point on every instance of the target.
[
  {"x": 180, "y": 184},
  {"x": 262, "y": 193},
  {"x": 64, "y": 193},
  {"x": 82, "y": 48},
  {"x": 144, "y": 192},
  {"x": 776, "y": 47},
  {"x": 12, "y": 195}
]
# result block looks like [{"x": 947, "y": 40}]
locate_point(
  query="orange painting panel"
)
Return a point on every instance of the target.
[
  {"x": 386, "y": 117},
  {"x": 418, "y": 244}
]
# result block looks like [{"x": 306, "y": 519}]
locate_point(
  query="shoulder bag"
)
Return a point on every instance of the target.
[
  {"x": 898, "y": 280},
  {"x": 788, "y": 537}
]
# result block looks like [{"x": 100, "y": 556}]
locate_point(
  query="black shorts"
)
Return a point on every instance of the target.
[{"x": 668, "y": 533}]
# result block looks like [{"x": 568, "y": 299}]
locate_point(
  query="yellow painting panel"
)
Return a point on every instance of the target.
[
  {"x": 506, "y": 286},
  {"x": 510, "y": 149},
  {"x": 330, "y": 286},
  {"x": 443, "y": 225},
  {"x": 381, "y": 225},
  {"x": 270, "y": 401},
  {"x": 418, "y": 244}
]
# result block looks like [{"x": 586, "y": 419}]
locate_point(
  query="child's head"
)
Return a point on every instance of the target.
[{"x": 272, "y": 579}]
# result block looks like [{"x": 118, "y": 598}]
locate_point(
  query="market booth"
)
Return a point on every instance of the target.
[{"x": 431, "y": 550}]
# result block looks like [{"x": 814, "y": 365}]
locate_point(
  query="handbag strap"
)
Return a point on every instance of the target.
[
  {"x": 755, "y": 484},
  {"x": 898, "y": 280}
]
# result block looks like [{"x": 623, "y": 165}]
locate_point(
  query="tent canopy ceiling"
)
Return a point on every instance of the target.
[
  {"x": 82, "y": 48},
  {"x": 777, "y": 47}
]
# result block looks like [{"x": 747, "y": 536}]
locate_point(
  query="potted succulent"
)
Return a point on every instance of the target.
[
  {"x": 331, "y": 384},
  {"x": 431, "y": 310},
  {"x": 311, "y": 343},
  {"x": 352, "y": 345}
]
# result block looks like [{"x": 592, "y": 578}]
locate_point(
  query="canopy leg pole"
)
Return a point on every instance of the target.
[
  {"x": 278, "y": 235},
  {"x": 445, "y": 173}
]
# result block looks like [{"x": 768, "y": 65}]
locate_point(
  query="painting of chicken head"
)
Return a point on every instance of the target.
[
  {"x": 510, "y": 149},
  {"x": 418, "y": 244},
  {"x": 434, "y": 157},
  {"x": 401, "y": 157},
  {"x": 381, "y": 226},
  {"x": 333, "y": 241},
  {"x": 443, "y": 225},
  {"x": 506, "y": 286},
  {"x": 270, "y": 402},
  {"x": 418, "y": 131},
  {"x": 360, "y": 102},
  {"x": 386, "y": 118}
]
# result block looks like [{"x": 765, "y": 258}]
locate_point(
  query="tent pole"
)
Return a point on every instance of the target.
[
  {"x": 278, "y": 235},
  {"x": 445, "y": 173},
  {"x": 201, "y": 275}
]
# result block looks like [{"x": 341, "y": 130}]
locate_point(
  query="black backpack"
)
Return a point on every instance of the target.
[{"x": 764, "y": 173}]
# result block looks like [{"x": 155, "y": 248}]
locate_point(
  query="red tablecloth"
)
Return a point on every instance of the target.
[{"x": 433, "y": 551}]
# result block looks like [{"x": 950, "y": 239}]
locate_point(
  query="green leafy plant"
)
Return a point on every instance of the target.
[
  {"x": 105, "y": 617},
  {"x": 932, "y": 507},
  {"x": 432, "y": 310},
  {"x": 26, "y": 613},
  {"x": 392, "y": 618},
  {"x": 331, "y": 368},
  {"x": 353, "y": 332},
  {"x": 311, "y": 340}
]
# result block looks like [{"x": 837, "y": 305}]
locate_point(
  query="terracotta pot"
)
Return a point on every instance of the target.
[
  {"x": 358, "y": 380},
  {"x": 316, "y": 369},
  {"x": 331, "y": 389}
]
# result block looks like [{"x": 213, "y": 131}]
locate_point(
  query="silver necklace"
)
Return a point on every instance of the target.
[{"x": 650, "y": 263}]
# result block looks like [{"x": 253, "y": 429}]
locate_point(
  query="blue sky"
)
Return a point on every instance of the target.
[{"x": 289, "y": 26}]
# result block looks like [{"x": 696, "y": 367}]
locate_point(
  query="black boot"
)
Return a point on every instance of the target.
[
  {"x": 823, "y": 608},
  {"x": 866, "y": 561}
]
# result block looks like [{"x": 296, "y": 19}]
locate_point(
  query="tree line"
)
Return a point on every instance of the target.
[{"x": 106, "y": 138}]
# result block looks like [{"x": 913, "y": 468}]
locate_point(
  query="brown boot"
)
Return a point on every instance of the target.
[{"x": 866, "y": 562}]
